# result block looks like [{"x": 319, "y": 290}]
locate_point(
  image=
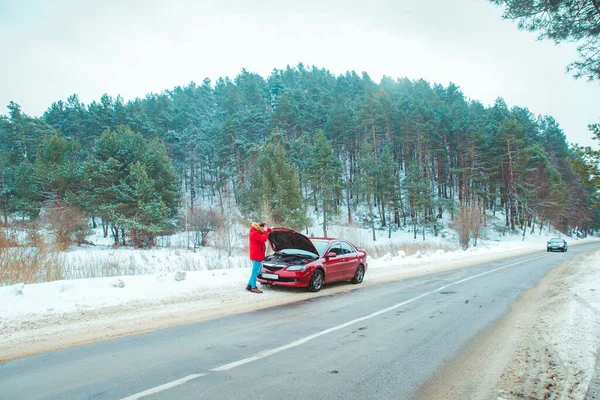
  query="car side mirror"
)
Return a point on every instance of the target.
[{"x": 331, "y": 255}]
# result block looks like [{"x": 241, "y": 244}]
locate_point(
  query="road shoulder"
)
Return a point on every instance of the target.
[{"x": 545, "y": 347}]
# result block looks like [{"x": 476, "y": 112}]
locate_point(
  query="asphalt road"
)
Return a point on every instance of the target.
[{"x": 378, "y": 342}]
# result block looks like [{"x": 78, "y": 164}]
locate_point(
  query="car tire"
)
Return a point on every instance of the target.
[
  {"x": 358, "y": 275},
  {"x": 316, "y": 281}
]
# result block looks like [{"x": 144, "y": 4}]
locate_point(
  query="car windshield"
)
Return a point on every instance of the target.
[
  {"x": 556, "y": 240},
  {"x": 297, "y": 252},
  {"x": 320, "y": 245}
]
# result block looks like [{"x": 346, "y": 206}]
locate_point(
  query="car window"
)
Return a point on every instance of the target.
[
  {"x": 336, "y": 248},
  {"x": 346, "y": 248},
  {"x": 320, "y": 245}
]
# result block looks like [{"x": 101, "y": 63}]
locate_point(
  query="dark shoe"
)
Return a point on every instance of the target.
[
  {"x": 256, "y": 290},
  {"x": 248, "y": 287}
]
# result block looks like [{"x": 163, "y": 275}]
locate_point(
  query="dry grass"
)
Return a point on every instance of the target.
[
  {"x": 101, "y": 267},
  {"x": 350, "y": 233},
  {"x": 7, "y": 239},
  {"x": 374, "y": 250},
  {"x": 223, "y": 262},
  {"x": 379, "y": 249},
  {"x": 114, "y": 268},
  {"x": 34, "y": 263},
  {"x": 28, "y": 254},
  {"x": 29, "y": 265}
]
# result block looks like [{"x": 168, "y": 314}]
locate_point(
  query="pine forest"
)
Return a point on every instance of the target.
[{"x": 299, "y": 146}]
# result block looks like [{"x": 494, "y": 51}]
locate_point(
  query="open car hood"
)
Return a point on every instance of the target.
[{"x": 283, "y": 238}]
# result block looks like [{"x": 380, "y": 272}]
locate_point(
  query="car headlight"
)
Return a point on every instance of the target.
[{"x": 297, "y": 267}]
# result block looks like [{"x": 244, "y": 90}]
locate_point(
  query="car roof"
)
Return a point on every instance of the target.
[{"x": 330, "y": 240}]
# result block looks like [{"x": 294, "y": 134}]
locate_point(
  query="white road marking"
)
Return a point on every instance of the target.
[
  {"x": 161, "y": 388},
  {"x": 268, "y": 353}
]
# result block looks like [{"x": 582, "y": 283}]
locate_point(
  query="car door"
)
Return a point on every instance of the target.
[
  {"x": 334, "y": 266},
  {"x": 350, "y": 259}
]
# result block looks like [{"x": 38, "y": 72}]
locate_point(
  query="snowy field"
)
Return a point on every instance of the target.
[
  {"x": 163, "y": 287},
  {"x": 162, "y": 274}
]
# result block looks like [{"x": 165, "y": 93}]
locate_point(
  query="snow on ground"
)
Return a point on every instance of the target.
[
  {"x": 166, "y": 286},
  {"x": 206, "y": 270}
]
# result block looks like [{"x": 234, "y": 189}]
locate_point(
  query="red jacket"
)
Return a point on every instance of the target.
[{"x": 257, "y": 237}]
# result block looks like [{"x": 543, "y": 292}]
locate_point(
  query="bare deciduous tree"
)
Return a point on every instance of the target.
[
  {"x": 232, "y": 235},
  {"x": 67, "y": 222},
  {"x": 201, "y": 222},
  {"x": 477, "y": 224},
  {"x": 461, "y": 225},
  {"x": 469, "y": 224}
]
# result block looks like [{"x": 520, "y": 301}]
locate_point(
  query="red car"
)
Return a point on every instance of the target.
[{"x": 302, "y": 262}]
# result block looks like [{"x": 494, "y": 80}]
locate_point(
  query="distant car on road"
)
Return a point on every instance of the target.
[
  {"x": 302, "y": 262},
  {"x": 556, "y": 244}
]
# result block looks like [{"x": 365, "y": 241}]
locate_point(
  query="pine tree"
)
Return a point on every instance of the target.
[
  {"x": 388, "y": 184},
  {"x": 324, "y": 176},
  {"x": 55, "y": 177},
  {"x": 274, "y": 194},
  {"x": 367, "y": 176},
  {"x": 417, "y": 195},
  {"x": 132, "y": 186},
  {"x": 562, "y": 21}
]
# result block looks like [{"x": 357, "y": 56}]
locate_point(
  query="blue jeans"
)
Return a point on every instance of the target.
[{"x": 256, "y": 267}]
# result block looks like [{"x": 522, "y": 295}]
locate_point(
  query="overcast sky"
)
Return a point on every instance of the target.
[{"x": 52, "y": 49}]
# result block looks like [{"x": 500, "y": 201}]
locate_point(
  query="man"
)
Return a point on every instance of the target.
[{"x": 257, "y": 237}]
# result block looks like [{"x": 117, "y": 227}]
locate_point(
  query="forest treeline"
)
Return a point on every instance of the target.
[{"x": 394, "y": 154}]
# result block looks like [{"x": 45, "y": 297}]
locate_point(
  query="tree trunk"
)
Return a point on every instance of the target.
[
  {"x": 3, "y": 201},
  {"x": 510, "y": 190},
  {"x": 373, "y": 133},
  {"x": 324, "y": 220},
  {"x": 383, "y": 219},
  {"x": 389, "y": 220},
  {"x": 414, "y": 229},
  {"x": 105, "y": 228},
  {"x": 347, "y": 179},
  {"x": 192, "y": 174},
  {"x": 115, "y": 233},
  {"x": 371, "y": 216}
]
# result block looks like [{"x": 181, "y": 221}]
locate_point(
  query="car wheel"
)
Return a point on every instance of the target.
[
  {"x": 548, "y": 250},
  {"x": 316, "y": 281},
  {"x": 359, "y": 274}
]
